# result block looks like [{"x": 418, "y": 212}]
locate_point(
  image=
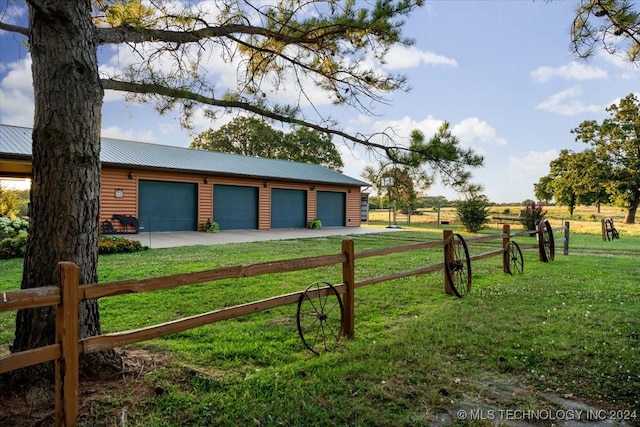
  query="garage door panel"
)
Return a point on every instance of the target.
[
  {"x": 167, "y": 206},
  {"x": 235, "y": 207},
  {"x": 332, "y": 208},
  {"x": 288, "y": 208}
]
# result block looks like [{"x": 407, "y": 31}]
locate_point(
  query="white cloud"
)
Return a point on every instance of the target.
[
  {"x": 353, "y": 161},
  {"x": 618, "y": 60},
  {"x": 566, "y": 104},
  {"x": 475, "y": 132},
  {"x": 16, "y": 94},
  {"x": 514, "y": 183},
  {"x": 402, "y": 128},
  {"x": 571, "y": 71},
  {"x": 403, "y": 57},
  {"x": 128, "y": 134},
  {"x": 472, "y": 132},
  {"x": 530, "y": 166},
  {"x": 618, "y": 99},
  {"x": 357, "y": 124}
]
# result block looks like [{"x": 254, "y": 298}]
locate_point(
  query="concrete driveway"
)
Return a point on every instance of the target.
[{"x": 191, "y": 238}]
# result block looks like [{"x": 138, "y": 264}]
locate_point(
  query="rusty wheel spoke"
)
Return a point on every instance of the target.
[{"x": 320, "y": 317}]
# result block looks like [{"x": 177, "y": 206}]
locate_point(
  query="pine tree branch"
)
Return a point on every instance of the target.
[{"x": 157, "y": 89}]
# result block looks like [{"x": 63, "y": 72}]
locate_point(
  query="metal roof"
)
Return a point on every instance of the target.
[{"x": 15, "y": 142}]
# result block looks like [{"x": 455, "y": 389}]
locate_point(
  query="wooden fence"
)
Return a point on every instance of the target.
[{"x": 67, "y": 348}]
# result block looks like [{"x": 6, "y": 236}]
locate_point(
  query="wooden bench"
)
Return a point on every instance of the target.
[{"x": 125, "y": 220}]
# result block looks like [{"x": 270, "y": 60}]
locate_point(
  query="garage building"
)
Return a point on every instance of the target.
[{"x": 179, "y": 189}]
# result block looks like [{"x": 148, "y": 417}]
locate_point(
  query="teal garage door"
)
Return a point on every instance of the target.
[
  {"x": 167, "y": 206},
  {"x": 288, "y": 208},
  {"x": 332, "y": 208},
  {"x": 235, "y": 207}
]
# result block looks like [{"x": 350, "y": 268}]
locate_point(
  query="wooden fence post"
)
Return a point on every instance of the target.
[
  {"x": 67, "y": 327},
  {"x": 540, "y": 237},
  {"x": 566, "y": 238},
  {"x": 348, "y": 277},
  {"x": 604, "y": 229},
  {"x": 448, "y": 257},
  {"x": 506, "y": 256}
]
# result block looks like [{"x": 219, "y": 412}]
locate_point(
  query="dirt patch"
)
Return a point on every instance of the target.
[
  {"x": 497, "y": 400},
  {"x": 35, "y": 406}
]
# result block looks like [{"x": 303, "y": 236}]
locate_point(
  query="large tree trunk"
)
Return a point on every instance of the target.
[
  {"x": 631, "y": 213},
  {"x": 66, "y": 161}
]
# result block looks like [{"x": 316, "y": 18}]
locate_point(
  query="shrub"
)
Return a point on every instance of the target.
[
  {"x": 14, "y": 247},
  {"x": 11, "y": 227},
  {"x": 473, "y": 213},
  {"x": 532, "y": 215},
  {"x": 316, "y": 223},
  {"x": 210, "y": 226},
  {"x": 118, "y": 245}
]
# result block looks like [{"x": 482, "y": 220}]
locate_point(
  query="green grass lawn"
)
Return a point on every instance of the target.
[{"x": 569, "y": 328}]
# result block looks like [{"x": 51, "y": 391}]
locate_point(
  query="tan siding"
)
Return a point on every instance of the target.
[
  {"x": 205, "y": 203},
  {"x": 113, "y": 178},
  {"x": 236, "y": 181},
  {"x": 312, "y": 205},
  {"x": 264, "y": 207},
  {"x": 353, "y": 207}
]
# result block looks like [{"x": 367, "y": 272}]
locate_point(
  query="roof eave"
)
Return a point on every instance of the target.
[{"x": 230, "y": 175}]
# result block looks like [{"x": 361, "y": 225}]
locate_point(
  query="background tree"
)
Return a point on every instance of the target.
[
  {"x": 247, "y": 136},
  {"x": 414, "y": 170},
  {"x": 250, "y": 136},
  {"x": 612, "y": 25},
  {"x": 12, "y": 203},
  {"x": 329, "y": 43},
  {"x": 407, "y": 182},
  {"x": 543, "y": 189},
  {"x": 433, "y": 201},
  {"x": 588, "y": 175},
  {"x": 310, "y": 146},
  {"x": 616, "y": 144},
  {"x": 574, "y": 179}
]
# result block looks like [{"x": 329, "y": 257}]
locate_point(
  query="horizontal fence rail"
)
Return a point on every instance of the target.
[
  {"x": 99, "y": 290},
  {"x": 65, "y": 352}
]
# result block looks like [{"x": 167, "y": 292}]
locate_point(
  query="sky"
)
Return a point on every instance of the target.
[{"x": 500, "y": 72}]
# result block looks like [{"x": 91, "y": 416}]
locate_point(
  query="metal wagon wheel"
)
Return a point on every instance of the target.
[
  {"x": 608, "y": 226},
  {"x": 457, "y": 267},
  {"x": 547, "y": 244},
  {"x": 320, "y": 314},
  {"x": 516, "y": 261},
  {"x": 612, "y": 233}
]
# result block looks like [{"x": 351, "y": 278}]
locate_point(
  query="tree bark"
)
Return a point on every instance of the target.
[
  {"x": 631, "y": 213},
  {"x": 66, "y": 161}
]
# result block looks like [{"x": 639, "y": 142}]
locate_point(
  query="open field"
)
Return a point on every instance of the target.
[
  {"x": 586, "y": 219},
  {"x": 562, "y": 334}
]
